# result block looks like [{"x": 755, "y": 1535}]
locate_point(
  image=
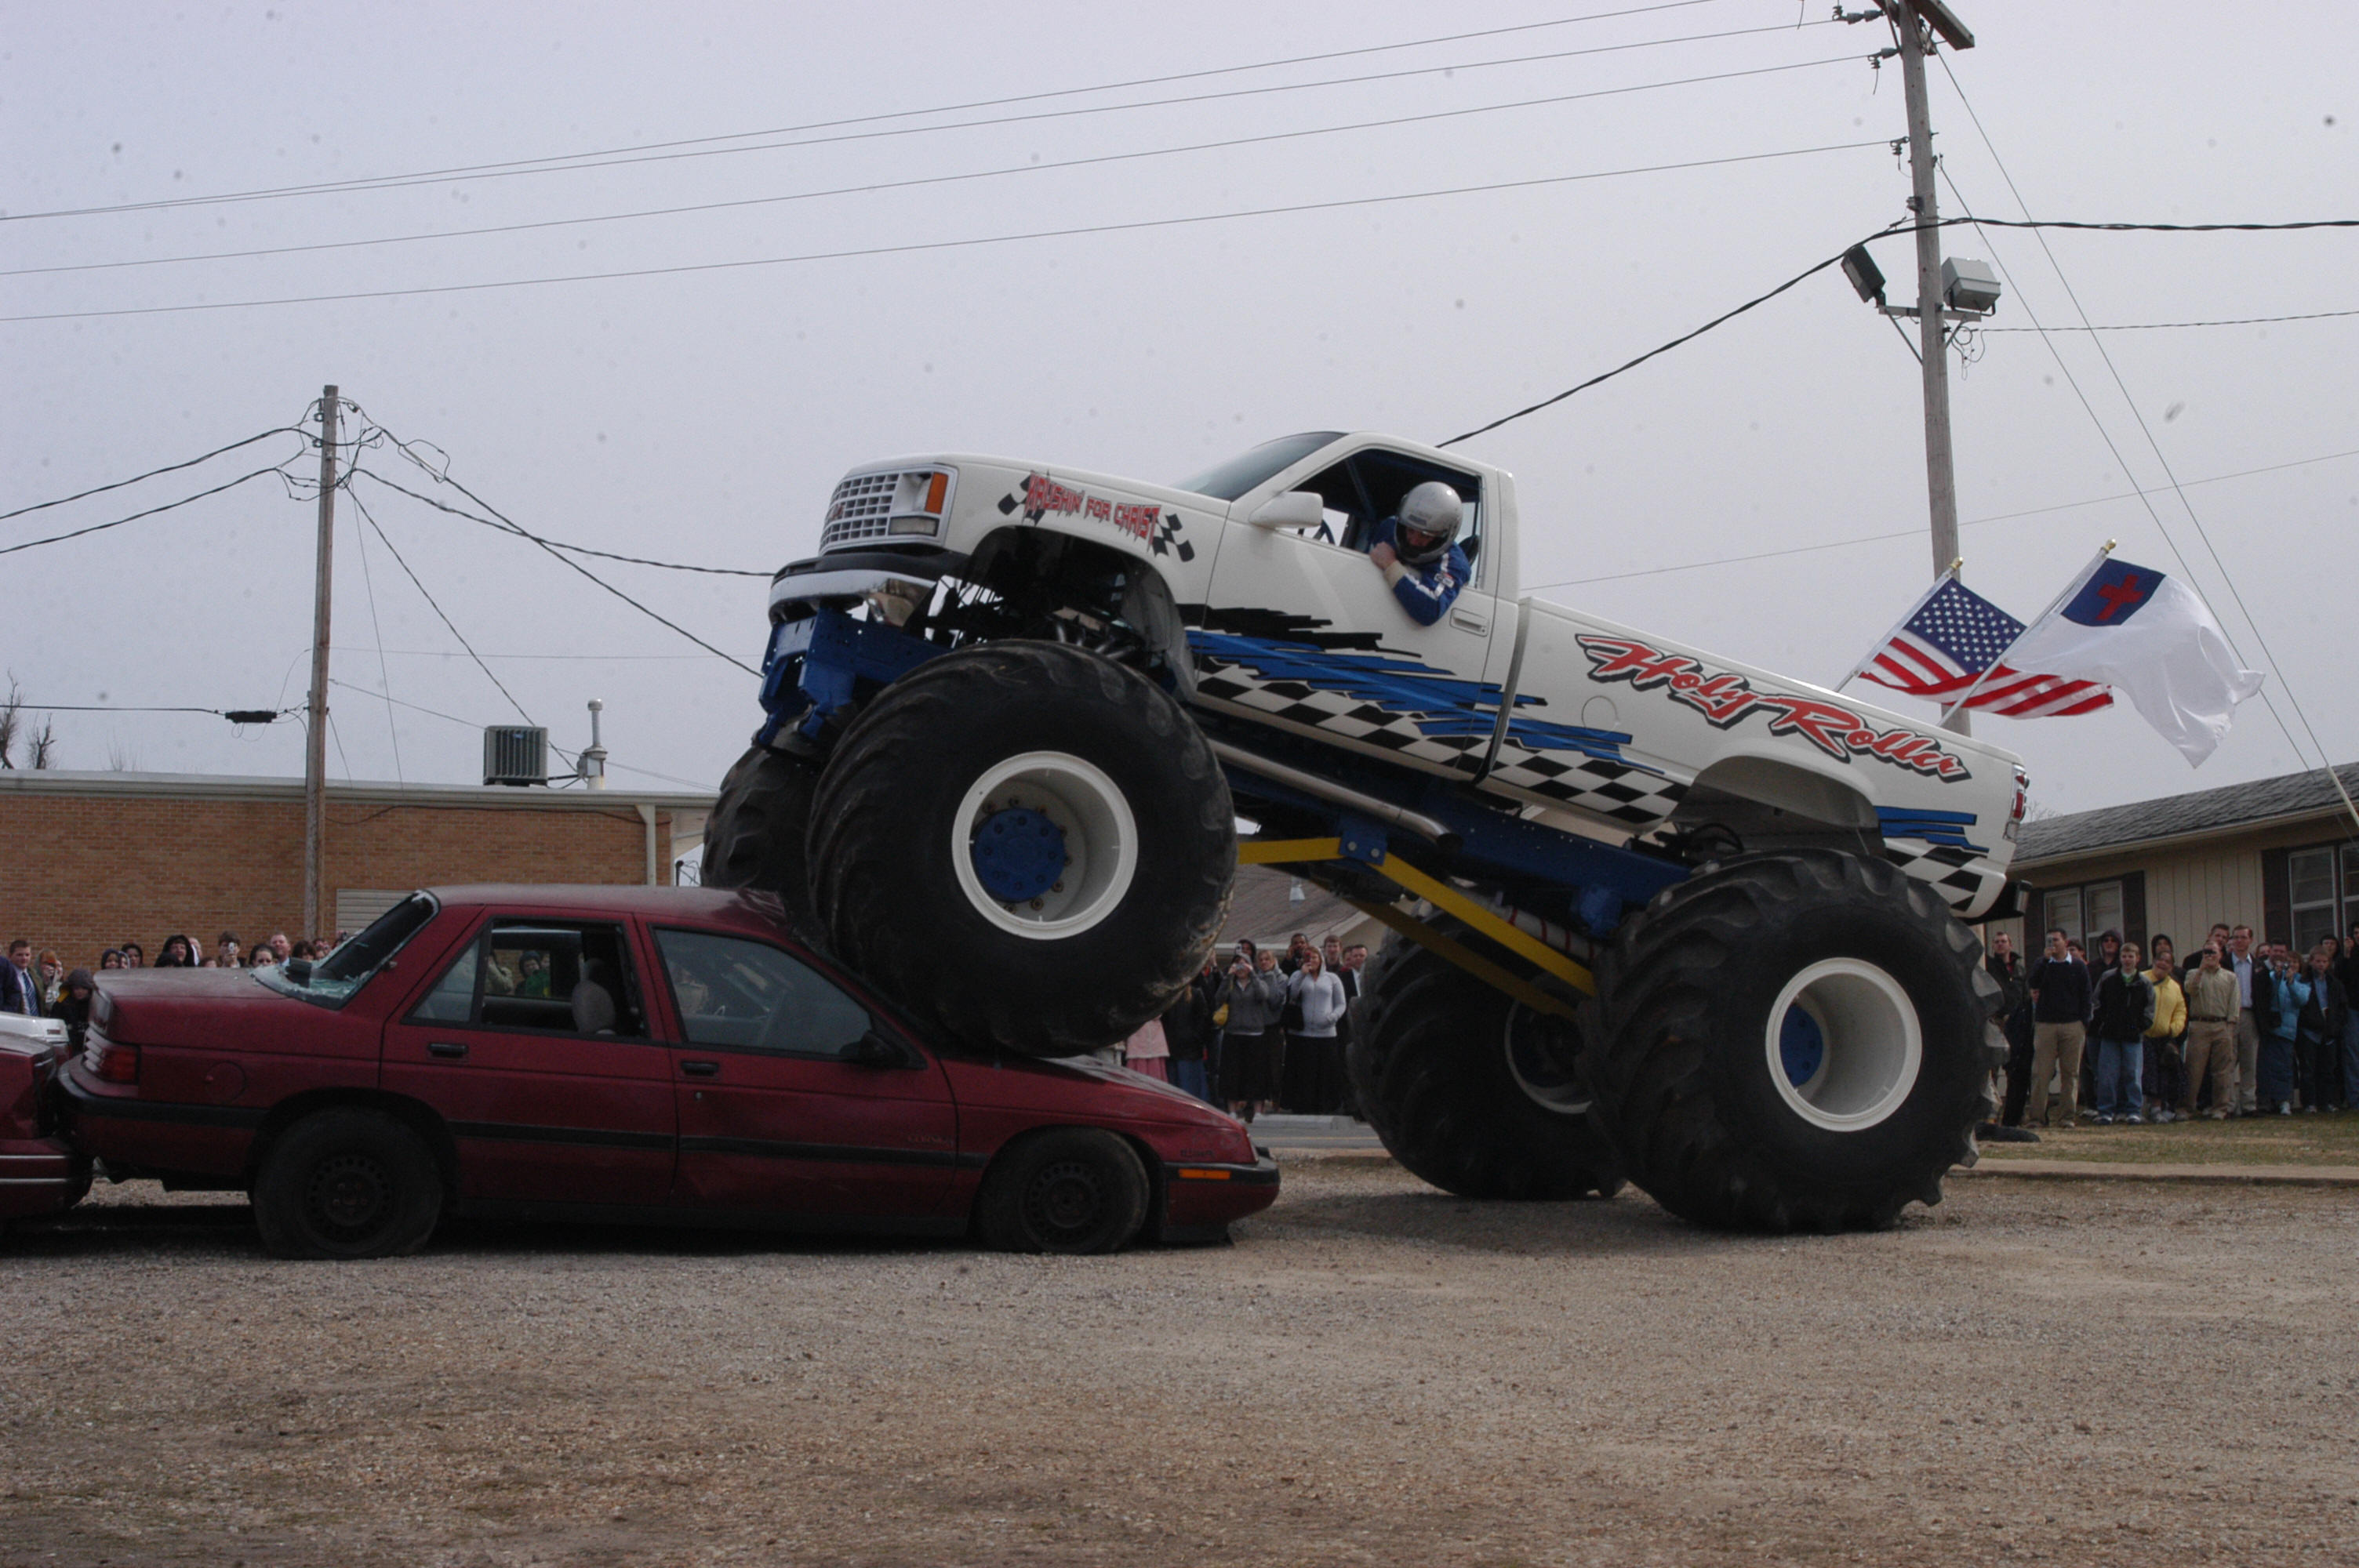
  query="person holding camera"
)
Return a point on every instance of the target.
[{"x": 1253, "y": 1047}]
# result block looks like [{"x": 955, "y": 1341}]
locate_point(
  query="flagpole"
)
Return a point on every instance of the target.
[
  {"x": 1869, "y": 658},
  {"x": 2061, "y": 599}
]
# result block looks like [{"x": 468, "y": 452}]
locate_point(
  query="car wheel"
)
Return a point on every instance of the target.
[
  {"x": 1793, "y": 1041},
  {"x": 347, "y": 1183},
  {"x": 754, "y": 839},
  {"x": 1025, "y": 844},
  {"x": 1078, "y": 1189},
  {"x": 1469, "y": 1090}
]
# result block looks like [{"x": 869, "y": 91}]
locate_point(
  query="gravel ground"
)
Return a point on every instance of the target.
[{"x": 1375, "y": 1373}]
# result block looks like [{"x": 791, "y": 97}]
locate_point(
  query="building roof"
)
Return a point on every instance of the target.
[
  {"x": 227, "y": 786},
  {"x": 2180, "y": 816}
]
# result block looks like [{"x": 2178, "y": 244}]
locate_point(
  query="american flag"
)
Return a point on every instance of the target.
[{"x": 1952, "y": 637}]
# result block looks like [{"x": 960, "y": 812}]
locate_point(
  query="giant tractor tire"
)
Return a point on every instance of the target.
[
  {"x": 756, "y": 836},
  {"x": 1793, "y": 1041},
  {"x": 1024, "y": 844},
  {"x": 1469, "y": 1090}
]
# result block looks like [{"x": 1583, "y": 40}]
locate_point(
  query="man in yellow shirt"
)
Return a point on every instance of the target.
[
  {"x": 2166, "y": 1036},
  {"x": 2212, "y": 1012}
]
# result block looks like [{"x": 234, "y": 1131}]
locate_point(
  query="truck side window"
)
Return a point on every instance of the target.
[
  {"x": 1366, "y": 488},
  {"x": 567, "y": 978},
  {"x": 733, "y": 992}
]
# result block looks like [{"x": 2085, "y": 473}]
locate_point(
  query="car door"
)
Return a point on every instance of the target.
[
  {"x": 791, "y": 1102},
  {"x": 1302, "y": 630},
  {"x": 533, "y": 1045}
]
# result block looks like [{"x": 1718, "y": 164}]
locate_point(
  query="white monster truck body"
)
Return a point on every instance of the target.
[{"x": 1286, "y": 624}]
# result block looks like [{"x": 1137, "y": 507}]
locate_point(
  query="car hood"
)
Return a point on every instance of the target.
[{"x": 1028, "y": 1081}]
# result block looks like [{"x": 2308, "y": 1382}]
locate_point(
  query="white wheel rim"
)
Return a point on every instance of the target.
[
  {"x": 1873, "y": 1046},
  {"x": 1100, "y": 842},
  {"x": 1563, "y": 1097}
]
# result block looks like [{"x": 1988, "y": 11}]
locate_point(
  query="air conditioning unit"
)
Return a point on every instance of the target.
[{"x": 515, "y": 754}]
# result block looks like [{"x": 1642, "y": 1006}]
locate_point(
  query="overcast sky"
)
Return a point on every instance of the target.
[{"x": 704, "y": 415}]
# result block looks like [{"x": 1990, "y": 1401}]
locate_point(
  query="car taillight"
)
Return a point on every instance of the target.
[{"x": 110, "y": 1062}]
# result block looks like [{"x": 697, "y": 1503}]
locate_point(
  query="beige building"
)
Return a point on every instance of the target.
[{"x": 2280, "y": 855}]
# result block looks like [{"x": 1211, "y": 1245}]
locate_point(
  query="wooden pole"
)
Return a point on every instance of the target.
[
  {"x": 315, "y": 751},
  {"x": 1941, "y": 468}
]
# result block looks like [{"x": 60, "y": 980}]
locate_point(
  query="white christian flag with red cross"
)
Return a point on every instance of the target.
[
  {"x": 2149, "y": 634},
  {"x": 1955, "y": 635}
]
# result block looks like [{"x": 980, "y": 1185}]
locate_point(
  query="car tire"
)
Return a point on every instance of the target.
[
  {"x": 760, "y": 821},
  {"x": 1073, "y": 1190},
  {"x": 1026, "y": 845},
  {"x": 348, "y": 1183},
  {"x": 1794, "y": 1040},
  {"x": 1434, "y": 1061}
]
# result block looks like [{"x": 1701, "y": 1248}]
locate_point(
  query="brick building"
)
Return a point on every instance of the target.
[{"x": 94, "y": 858}]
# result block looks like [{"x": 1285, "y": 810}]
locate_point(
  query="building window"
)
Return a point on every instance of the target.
[
  {"x": 2084, "y": 912},
  {"x": 2309, "y": 875}
]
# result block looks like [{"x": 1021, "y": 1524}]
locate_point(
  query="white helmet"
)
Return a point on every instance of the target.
[{"x": 1431, "y": 508}]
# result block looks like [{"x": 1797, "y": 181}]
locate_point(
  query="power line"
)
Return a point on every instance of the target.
[
  {"x": 32, "y": 707},
  {"x": 1920, "y": 533},
  {"x": 119, "y": 522},
  {"x": 560, "y": 163},
  {"x": 446, "y": 621},
  {"x": 2097, "y": 340},
  {"x": 151, "y": 473},
  {"x": 553, "y": 552},
  {"x": 875, "y": 187},
  {"x": 916, "y": 246},
  {"x": 384, "y": 676},
  {"x": 2034, "y": 223},
  {"x": 2171, "y": 326}
]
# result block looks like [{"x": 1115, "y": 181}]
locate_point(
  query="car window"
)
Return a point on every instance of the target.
[
  {"x": 332, "y": 980},
  {"x": 734, "y": 991},
  {"x": 1368, "y": 486},
  {"x": 568, "y": 977},
  {"x": 1230, "y": 477}
]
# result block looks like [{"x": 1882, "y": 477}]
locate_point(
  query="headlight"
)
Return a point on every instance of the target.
[{"x": 921, "y": 498}]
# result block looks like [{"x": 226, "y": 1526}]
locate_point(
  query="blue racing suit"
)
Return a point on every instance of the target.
[{"x": 1426, "y": 592}]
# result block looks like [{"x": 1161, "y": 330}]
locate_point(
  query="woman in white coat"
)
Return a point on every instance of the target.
[{"x": 1314, "y": 1055}]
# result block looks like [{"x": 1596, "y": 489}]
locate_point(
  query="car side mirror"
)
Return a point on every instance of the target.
[
  {"x": 1290, "y": 509},
  {"x": 873, "y": 1050},
  {"x": 298, "y": 970}
]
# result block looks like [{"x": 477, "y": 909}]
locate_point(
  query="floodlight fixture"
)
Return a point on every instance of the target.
[{"x": 1866, "y": 277}]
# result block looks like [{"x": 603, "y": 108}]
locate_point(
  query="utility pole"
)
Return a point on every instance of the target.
[
  {"x": 315, "y": 751},
  {"x": 1912, "y": 17}
]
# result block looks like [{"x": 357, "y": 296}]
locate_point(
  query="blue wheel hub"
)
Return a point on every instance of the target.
[
  {"x": 1801, "y": 1046},
  {"x": 1019, "y": 854}
]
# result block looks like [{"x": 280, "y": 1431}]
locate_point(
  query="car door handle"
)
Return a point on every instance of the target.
[
  {"x": 700, "y": 1069},
  {"x": 1466, "y": 622},
  {"x": 449, "y": 1048}
]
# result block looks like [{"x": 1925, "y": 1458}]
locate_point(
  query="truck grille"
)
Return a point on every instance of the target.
[{"x": 859, "y": 509}]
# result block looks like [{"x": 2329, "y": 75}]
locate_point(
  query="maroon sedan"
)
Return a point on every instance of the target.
[{"x": 634, "y": 1053}]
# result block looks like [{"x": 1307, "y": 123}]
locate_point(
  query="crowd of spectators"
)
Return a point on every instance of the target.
[
  {"x": 1259, "y": 1032},
  {"x": 2134, "y": 1037},
  {"x": 38, "y": 984}
]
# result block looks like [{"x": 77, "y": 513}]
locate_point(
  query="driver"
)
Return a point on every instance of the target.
[{"x": 1417, "y": 552}]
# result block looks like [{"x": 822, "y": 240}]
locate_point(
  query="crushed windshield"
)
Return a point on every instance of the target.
[
  {"x": 1229, "y": 480},
  {"x": 331, "y": 981}
]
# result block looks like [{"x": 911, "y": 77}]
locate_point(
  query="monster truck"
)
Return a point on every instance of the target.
[{"x": 1657, "y": 915}]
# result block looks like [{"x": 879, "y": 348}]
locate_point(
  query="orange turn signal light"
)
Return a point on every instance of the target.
[
  {"x": 1198, "y": 1174},
  {"x": 936, "y": 491}
]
